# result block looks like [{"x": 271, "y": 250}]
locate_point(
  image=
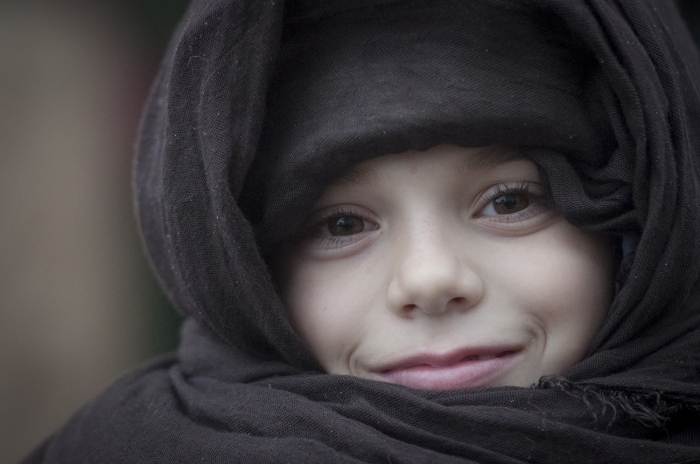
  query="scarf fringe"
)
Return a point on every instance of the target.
[{"x": 651, "y": 409}]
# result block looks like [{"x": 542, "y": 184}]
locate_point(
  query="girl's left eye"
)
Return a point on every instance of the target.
[
  {"x": 508, "y": 203},
  {"x": 513, "y": 202}
]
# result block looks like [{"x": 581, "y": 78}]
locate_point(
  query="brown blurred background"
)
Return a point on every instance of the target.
[{"x": 78, "y": 303}]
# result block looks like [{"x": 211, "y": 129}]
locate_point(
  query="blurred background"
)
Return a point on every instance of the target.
[{"x": 78, "y": 304}]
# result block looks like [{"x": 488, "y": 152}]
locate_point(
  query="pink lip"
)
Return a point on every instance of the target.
[{"x": 467, "y": 368}]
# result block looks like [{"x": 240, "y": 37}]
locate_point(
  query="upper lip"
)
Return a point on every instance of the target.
[{"x": 446, "y": 359}]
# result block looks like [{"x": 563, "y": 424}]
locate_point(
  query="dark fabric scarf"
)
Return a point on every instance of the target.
[{"x": 258, "y": 105}]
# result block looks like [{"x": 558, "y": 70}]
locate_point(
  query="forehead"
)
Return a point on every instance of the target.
[{"x": 466, "y": 160}]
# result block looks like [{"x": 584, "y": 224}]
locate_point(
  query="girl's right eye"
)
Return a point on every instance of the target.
[
  {"x": 342, "y": 225},
  {"x": 339, "y": 226}
]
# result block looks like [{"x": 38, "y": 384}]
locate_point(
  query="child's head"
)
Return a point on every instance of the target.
[
  {"x": 445, "y": 269},
  {"x": 241, "y": 165}
]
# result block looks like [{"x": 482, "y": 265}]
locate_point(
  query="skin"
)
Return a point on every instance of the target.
[{"x": 445, "y": 269}]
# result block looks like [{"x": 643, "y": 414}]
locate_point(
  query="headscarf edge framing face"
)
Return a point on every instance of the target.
[{"x": 207, "y": 104}]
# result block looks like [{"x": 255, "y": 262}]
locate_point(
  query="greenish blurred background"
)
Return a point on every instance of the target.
[{"x": 78, "y": 303}]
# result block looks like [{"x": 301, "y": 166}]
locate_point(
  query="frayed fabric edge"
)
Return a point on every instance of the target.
[{"x": 652, "y": 409}]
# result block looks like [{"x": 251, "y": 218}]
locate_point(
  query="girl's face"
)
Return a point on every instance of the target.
[{"x": 445, "y": 269}]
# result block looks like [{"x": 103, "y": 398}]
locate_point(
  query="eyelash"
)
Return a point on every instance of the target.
[
  {"x": 332, "y": 241},
  {"x": 538, "y": 202}
]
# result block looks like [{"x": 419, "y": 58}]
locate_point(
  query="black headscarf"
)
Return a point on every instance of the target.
[{"x": 259, "y": 104}]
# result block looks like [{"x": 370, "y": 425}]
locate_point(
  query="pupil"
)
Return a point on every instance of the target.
[
  {"x": 511, "y": 203},
  {"x": 508, "y": 201},
  {"x": 346, "y": 225}
]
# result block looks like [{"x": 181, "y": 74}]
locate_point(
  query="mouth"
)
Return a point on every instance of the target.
[{"x": 452, "y": 371}]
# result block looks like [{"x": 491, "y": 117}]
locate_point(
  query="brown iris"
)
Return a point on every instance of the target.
[
  {"x": 511, "y": 203},
  {"x": 345, "y": 225}
]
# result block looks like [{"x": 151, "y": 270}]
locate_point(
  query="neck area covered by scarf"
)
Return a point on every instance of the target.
[{"x": 259, "y": 104}]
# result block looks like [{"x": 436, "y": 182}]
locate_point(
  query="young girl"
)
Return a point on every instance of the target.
[{"x": 412, "y": 231}]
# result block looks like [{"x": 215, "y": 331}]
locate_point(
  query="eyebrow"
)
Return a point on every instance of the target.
[
  {"x": 484, "y": 158},
  {"x": 489, "y": 157},
  {"x": 357, "y": 176}
]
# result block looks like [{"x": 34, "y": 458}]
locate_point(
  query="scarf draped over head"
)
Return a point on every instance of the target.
[{"x": 259, "y": 104}]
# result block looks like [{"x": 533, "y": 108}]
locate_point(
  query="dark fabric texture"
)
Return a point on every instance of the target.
[{"x": 259, "y": 104}]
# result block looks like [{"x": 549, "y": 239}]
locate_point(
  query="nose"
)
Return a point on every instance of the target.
[{"x": 430, "y": 278}]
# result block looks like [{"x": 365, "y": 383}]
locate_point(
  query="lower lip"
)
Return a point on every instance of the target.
[{"x": 464, "y": 374}]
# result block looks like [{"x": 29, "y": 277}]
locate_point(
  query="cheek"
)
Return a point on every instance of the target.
[
  {"x": 580, "y": 275},
  {"x": 562, "y": 279},
  {"x": 326, "y": 307}
]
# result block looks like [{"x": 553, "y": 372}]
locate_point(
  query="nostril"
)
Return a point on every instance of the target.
[
  {"x": 458, "y": 300},
  {"x": 409, "y": 307}
]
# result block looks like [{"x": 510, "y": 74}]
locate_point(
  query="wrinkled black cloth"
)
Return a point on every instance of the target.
[{"x": 259, "y": 103}]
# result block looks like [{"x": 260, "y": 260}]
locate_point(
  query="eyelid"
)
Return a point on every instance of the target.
[
  {"x": 318, "y": 218},
  {"x": 533, "y": 189},
  {"x": 322, "y": 214}
]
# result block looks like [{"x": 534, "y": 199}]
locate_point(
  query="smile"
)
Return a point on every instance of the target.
[{"x": 474, "y": 368}]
